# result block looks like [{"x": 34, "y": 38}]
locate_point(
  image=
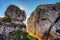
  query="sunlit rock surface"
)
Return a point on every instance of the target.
[{"x": 41, "y": 19}]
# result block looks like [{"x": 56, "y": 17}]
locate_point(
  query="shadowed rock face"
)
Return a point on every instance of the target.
[
  {"x": 15, "y": 12},
  {"x": 42, "y": 18}
]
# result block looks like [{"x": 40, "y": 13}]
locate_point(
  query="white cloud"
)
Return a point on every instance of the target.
[{"x": 22, "y": 7}]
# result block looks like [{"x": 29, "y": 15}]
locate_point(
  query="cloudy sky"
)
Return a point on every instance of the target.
[{"x": 27, "y": 5}]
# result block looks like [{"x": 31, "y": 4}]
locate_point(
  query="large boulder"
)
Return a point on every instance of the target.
[
  {"x": 42, "y": 18},
  {"x": 15, "y": 12}
]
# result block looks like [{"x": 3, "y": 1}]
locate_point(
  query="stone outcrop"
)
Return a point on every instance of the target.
[
  {"x": 12, "y": 22},
  {"x": 14, "y": 17},
  {"x": 42, "y": 18},
  {"x": 15, "y": 12}
]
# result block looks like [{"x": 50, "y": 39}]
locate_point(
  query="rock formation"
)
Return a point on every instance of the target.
[
  {"x": 12, "y": 22},
  {"x": 12, "y": 26},
  {"x": 42, "y": 18},
  {"x": 15, "y": 12}
]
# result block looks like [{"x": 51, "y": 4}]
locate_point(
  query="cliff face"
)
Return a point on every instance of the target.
[{"x": 42, "y": 18}]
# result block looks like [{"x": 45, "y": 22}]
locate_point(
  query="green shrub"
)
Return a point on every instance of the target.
[
  {"x": 6, "y": 19},
  {"x": 13, "y": 25},
  {"x": 18, "y": 35},
  {"x": 22, "y": 26}
]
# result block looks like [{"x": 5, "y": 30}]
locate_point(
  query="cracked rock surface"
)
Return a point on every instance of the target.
[{"x": 41, "y": 19}]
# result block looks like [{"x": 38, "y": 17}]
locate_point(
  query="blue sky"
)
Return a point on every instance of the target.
[{"x": 27, "y": 5}]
